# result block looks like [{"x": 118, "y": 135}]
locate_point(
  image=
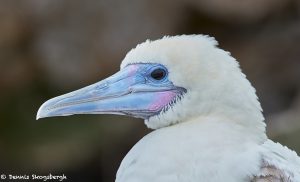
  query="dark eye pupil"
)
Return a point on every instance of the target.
[{"x": 158, "y": 74}]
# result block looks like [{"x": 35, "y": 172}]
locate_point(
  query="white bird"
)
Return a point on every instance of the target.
[{"x": 208, "y": 124}]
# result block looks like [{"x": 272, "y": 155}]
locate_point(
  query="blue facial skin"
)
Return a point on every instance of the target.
[{"x": 131, "y": 91}]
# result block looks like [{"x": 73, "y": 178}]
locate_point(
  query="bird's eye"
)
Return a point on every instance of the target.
[{"x": 158, "y": 74}]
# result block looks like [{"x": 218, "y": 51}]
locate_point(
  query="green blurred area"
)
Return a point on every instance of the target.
[{"x": 51, "y": 47}]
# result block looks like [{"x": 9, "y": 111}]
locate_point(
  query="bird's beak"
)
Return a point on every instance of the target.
[{"x": 124, "y": 93}]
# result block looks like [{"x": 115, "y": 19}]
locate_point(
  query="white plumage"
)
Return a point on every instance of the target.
[{"x": 216, "y": 132}]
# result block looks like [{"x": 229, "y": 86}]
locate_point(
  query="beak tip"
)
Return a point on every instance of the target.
[
  {"x": 42, "y": 112},
  {"x": 45, "y": 110},
  {"x": 39, "y": 114}
]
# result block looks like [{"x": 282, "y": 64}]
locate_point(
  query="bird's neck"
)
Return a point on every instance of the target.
[
  {"x": 235, "y": 107},
  {"x": 231, "y": 129},
  {"x": 244, "y": 115}
]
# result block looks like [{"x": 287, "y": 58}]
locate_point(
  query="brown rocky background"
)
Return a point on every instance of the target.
[{"x": 50, "y": 47}]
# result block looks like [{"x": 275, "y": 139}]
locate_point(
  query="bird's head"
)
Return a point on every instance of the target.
[{"x": 165, "y": 82}]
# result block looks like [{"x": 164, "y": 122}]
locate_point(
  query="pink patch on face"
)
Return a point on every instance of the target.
[
  {"x": 132, "y": 70},
  {"x": 161, "y": 100}
]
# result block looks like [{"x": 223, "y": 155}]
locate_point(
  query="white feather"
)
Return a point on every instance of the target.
[{"x": 216, "y": 132}]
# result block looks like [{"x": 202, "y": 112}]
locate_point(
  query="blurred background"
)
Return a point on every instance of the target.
[{"x": 50, "y": 47}]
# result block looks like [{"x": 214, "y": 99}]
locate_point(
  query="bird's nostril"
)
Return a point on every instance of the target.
[{"x": 130, "y": 90}]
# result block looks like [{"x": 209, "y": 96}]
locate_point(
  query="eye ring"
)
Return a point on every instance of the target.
[{"x": 158, "y": 74}]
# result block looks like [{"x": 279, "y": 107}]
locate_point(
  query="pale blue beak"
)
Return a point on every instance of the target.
[{"x": 130, "y": 91}]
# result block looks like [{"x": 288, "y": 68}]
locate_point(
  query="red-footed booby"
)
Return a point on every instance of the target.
[{"x": 207, "y": 120}]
